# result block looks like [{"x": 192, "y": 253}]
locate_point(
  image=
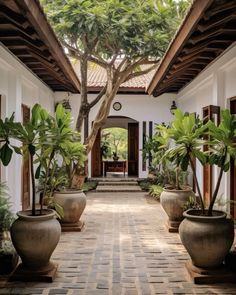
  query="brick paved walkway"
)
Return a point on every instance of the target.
[{"x": 123, "y": 250}]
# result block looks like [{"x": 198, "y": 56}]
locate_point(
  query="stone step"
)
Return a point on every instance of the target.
[
  {"x": 118, "y": 183},
  {"x": 124, "y": 188},
  {"x": 113, "y": 179}
]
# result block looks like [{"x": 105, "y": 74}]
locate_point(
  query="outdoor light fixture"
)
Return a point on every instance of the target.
[
  {"x": 65, "y": 103},
  {"x": 173, "y": 107}
]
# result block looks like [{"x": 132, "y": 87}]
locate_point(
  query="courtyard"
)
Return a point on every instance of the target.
[{"x": 124, "y": 249}]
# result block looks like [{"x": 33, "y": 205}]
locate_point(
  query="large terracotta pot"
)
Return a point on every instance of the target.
[
  {"x": 207, "y": 239},
  {"x": 173, "y": 202},
  {"x": 73, "y": 203},
  {"x": 35, "y": 238}
]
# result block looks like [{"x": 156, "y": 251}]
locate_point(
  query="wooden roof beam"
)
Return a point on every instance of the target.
[
  {"x": 34, "y": 13},
  {"x": 190, "y": 22},
  {"x": 214, "y": 23}
]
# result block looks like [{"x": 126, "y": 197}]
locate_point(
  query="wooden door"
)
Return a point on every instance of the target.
[
  {"x": 233, "y": 170},
  {"x": 133, "y": 143},
  {"x": 25, "y": 198},
  {"x": 97, "y": 157},
  {"x": 209, "y": 113}
]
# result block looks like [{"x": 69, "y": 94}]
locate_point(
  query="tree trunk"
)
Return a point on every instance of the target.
[
  {"x": 83, "y": 111},
  {"x": 102, "y": 115}
]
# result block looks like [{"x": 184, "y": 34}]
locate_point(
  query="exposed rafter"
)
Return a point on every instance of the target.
[
  {"x": 207, "y": 31},
  {"x": 24, "y": 30}
]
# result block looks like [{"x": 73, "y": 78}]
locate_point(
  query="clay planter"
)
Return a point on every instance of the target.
[
  {"x": 73, "y": 203},
  {"x": 35, "y": 238},
  {"x": 207, "y": 239},
  {"x": 173, "y": 201}
]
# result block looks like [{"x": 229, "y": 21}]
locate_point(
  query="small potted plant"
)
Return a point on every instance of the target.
[
  {"x": 71, "y": 152},
  {"x": 174, "y": 194},
  {"x": 36, "y": 232},
  {"x": 206, "y": 233}
]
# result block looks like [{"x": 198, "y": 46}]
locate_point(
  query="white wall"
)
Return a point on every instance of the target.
[
  {"x": 19, "y": 86},
  {"x": 215, "y": 85},
  {"x": 138, "y": 107}
]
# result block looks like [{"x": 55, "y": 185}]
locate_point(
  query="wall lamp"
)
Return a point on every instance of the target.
[{"x": 173, "y": 107}]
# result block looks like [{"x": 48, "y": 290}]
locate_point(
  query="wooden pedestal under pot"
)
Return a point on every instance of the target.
[
  {"x": 173, "y": 202},
  {"x": 208, "y": 240},
  {"x": 35, "y": 238},
  {"x": 73, "y": 203}
]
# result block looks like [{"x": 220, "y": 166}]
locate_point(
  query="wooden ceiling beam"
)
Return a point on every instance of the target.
[
  {"x": 213, "y": 33},
  {"x": 200, "y": 54},
  {"x": 14, "y": 17},
  {"x": 35, "y": 15},
  {"x": 219, "y": 21},
  {"x": 220, "y": 8},
  {"x": 190, "y": 22}
]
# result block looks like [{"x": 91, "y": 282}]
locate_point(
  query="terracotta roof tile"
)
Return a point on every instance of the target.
[{"x": 97, "y": 78}]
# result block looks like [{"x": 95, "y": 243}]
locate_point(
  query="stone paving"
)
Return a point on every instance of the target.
[{"x": 124, "y": 249}]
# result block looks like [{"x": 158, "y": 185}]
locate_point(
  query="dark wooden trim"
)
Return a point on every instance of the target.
[
  {"x": 144, "y": 166},
  {"x": 150, "y": 136},
  {"x": 208, "y": 113},
  {"x": 25, "y": 31},
  {"x": 233, "y": 169},
  {"x": 197, "y": 10}
]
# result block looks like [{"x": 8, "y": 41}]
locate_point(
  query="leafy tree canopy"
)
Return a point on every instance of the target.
[{"x": 106, "y": 28}]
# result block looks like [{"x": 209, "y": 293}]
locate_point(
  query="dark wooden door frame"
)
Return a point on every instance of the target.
[
  {"x": 208, "y": 113},
  {"x": 133, "y": 149},
  {"x": 25, "y": 197},
  {"x": 233, "y": 169}
]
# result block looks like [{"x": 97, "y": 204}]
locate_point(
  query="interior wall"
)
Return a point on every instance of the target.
[
  {"x": 19, "y": 86},
  {"x": 215, "y": 85}
]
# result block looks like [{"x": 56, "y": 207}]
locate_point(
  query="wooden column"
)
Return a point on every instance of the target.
[{"x": 209, "y": 113}]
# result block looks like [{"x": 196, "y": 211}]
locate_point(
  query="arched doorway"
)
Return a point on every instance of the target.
[{"x": 132, "y": 127}]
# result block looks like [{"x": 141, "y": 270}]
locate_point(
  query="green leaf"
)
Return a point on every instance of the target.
[
  {"x": 37, "y": 173},
  {"x": 6, "y": 154}
]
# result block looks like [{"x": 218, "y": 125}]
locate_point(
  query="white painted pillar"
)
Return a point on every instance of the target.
[{"x": 14, "y": 99}]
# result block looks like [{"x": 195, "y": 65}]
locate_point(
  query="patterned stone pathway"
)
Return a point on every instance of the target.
[{"x": 124, "y": 249}]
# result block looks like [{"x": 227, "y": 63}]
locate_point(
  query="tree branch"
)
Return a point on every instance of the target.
[
  {"x": 78, "y": 52},
  {"x": 98, "y": 61},
  {"x": 140, "y": 73},
  {"x": 99, "y": 96}
]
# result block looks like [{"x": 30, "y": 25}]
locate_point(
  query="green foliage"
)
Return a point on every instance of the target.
[
  {"x": 41, "y": 139},
  {"x": 114, "y": 140},
  {"x": 89, "y": 185},
  {"x": 132, "y": 28},
  {"x": 6, "y": 215},
  {"x": 191, "y": 204},
  {"x": 155, "y": 191},
  {"x": 190, "y": 134}
]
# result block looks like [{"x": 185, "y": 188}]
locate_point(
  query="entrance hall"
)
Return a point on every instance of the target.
[{"x": 110, "y": 158}]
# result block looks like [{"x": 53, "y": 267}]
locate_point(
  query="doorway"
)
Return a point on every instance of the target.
[
  {"x": 233, "y": 169},
  {"x": 127, "y": 162},
  {"x": 25, "y": 198}
]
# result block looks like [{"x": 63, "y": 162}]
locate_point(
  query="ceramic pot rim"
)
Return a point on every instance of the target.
[
  {"x": 27, "y": 215},
  {"x": 221, "y": 215},
  {"x": 69, "y": 191},
  {"x": 185, "y": 189}
]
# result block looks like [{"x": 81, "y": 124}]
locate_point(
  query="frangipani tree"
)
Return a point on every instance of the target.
[{"x": 126, "y": 38}]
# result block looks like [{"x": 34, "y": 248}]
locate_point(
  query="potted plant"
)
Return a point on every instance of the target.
[
  {"x": 8, "y": 255},
  {"x": 36, "y": 232},
  {"x": 174, "y": 194},
  {"x": 206, "y": 233},
  {"x": 71, "y": 152}
]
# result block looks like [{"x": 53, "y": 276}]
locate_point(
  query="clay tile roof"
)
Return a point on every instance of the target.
[{"x": 97, "y": 79}]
